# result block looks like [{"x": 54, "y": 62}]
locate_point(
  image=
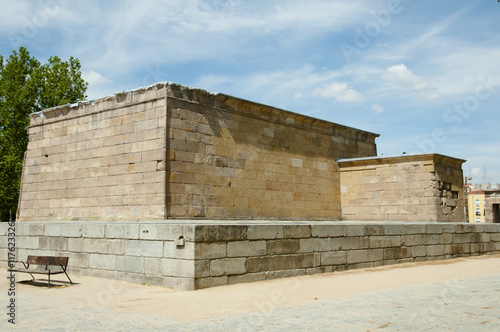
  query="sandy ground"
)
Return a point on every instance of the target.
[{"x": 235, "y": 300}]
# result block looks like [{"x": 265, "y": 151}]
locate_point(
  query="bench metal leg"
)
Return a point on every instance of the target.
[{"x": 64, "y": 269}]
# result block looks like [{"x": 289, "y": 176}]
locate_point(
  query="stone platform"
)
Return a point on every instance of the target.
[{"x": 188, "y": 254}]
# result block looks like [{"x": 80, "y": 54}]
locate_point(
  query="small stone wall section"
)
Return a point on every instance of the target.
[{"x": 425, "y": 187}]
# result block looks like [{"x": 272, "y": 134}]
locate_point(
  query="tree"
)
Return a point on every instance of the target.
[{"x": 27, "y": 86}]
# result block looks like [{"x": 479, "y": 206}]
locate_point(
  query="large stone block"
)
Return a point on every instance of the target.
[
  {"x": 385, "y": 241},
  {"x": 435, "y": 250},
  {"x": 258, "y": 232},
  {"x": 53, "y": 242},
  {"x": 143, "y": 248},
  {"x": 172, "y": 250},
  {"x": 104, "y": 262},
  {"x": 122, "y": 231},
  {"x": 177, "y": 267},
  {"x": 297, "y": 231},
  {"x": 210, "y": 250},
  {"x": 329, "y": 230},
  {"x": 28, "y": 242},
  {"x": 319, "y": 244},
  {"x": 282, "y": 262},
  {"x": 211, "y": 233},
  {"x": 130, "y": 264},
  {"x": 363, "y": 256},
  {"x": 210, "y": 282},
  {"x": 354, "y": 243},
  {"x": 334, "y": 258},
  {"x": 227, "y": 266},
  {"x": 283, "y": 246},
  {"x": 52, "y": 229},
  {"x": 246, "y": 248},
  {"x": 93, "y": 230}
]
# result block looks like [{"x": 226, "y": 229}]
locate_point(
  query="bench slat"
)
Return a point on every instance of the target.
[{"x": 47, "y": 260}]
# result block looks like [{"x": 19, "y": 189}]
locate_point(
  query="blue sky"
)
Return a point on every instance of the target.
[{"x": 424, "y": 74}]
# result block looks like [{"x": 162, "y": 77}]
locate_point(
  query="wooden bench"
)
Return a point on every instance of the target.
[{"x": 48, "y": 261}]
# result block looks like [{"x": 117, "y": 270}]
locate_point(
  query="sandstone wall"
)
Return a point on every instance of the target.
[
  {"x": 405, "y": 188},
  {"x": 169, "y": 151},
  {"x": 231, "y": 158},
  {"x": 492, "y": 208},
  {"x": 97, "y": 160}
]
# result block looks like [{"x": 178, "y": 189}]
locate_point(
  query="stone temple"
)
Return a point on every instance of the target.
[{"x": 180, "y": 187}]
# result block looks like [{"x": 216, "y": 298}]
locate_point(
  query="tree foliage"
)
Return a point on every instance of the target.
[{"x": 27, "y": 86}]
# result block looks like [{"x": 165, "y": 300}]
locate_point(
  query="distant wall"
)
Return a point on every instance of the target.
[
  {"x": 492, "y": 207},
  {"x": 405, "y": 188}
]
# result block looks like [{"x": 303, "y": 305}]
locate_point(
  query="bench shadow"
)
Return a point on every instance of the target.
[{"x": 44, "y": 283}]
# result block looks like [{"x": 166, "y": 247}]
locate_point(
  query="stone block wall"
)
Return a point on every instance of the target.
[
  {"x": 220, "y": 254},
  {"x": 97, "y": 160},
  {"x": 404, "y": 188},
  {"x": 492, "y": 207},
  {"x": 231, "y": 158},
  {"x": 169, "y": 151}
]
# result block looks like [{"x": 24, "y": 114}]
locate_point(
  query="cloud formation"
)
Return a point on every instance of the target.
[
  {"x": 401, "y": 76},
  {"x": 339, "y": 91}
]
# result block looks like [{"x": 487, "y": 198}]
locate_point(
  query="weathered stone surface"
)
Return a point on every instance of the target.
[
  {"x": 283, "y": 262},
  {"x": 283, "y": 246},
  {"x": 402, "y": 188},
  {"x": 352, "y": 243},
  {"x": 143, "y": 248},
  {"x": 130, "y": 264},
  {"x": 329, "y": 230},
  {"x": 93, "y": 230},
  {"x": 363, "y": 256},
  {"x": 177, "y": 267},
  {"x": 334, "y": 258},
  {"x": 210, "y": 250},
  {"x": 104, "y": 262},
  {"x": 211, "y": 233},
  {"x": 227, "y": 266},
  {"x": 257, "y": 232},
  {"x": 246, "y": 248},
  {"x": 297, "y": 231},
  {"x": 319, "y": 244},
  {"x": 385, "y": 241}
]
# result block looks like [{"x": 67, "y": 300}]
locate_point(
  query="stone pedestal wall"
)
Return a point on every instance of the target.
[{"x": 189, "y": 256}]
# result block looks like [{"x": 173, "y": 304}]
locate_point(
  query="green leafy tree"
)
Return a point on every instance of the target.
[{"x": 27, "y": 86}]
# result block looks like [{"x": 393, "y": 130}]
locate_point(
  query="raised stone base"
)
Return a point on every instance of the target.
[{"x": 188, "y": 255}]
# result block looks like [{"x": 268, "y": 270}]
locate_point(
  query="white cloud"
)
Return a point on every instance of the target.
[
  {"x": 93, "y": 78},
  {"x": 377, "y": 109},
  {"x": 339, "y": 91},
  {"x": 401, "y": 76}
]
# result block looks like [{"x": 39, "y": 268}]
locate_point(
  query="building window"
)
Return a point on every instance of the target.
[
  {"x": 478, "y": 211},
  {"x": 477, "y": 202},
  {"x": 478, "y": 220}
]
